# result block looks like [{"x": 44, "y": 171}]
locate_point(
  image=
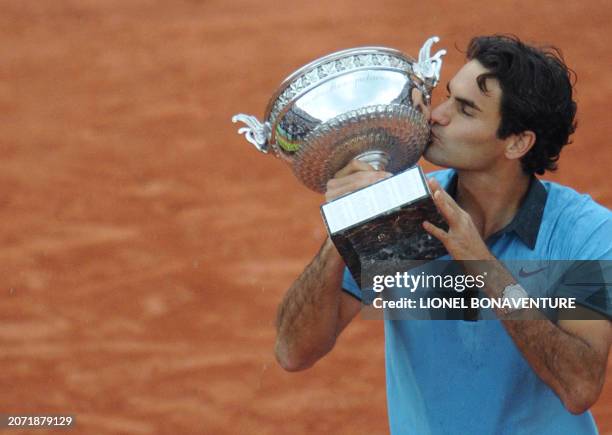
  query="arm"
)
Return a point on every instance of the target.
[
  {"x": 570, "y": 357},
  {"x": 315, "y": 310}
]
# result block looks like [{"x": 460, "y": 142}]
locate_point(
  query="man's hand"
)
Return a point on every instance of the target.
[
  {"x": 355, "y": 175},
  {"x": 462, "y": 240}
]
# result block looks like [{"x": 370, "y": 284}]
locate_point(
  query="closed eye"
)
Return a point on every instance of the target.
[
  {"x": 462, "y": 106},
  {"x": 463, "y": 103},
  {"x": 462, "y": 109}
]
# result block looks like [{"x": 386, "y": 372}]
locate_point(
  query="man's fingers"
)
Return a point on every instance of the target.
[
  {"x": 340, "y": 186},
  {"x": 445, "y": 203},
  {"x": 358, "y": 179},
  {"x": 433, "y": 185},
  {"x": 353, "y": 166},
  {"x": 438, "y": 233},
  {"x": 445, "y": 208}
]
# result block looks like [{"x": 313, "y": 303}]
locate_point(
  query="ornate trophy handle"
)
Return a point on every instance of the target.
[
  {"x": 428, "y": 67},
  {"x": 255, "y": 132}
]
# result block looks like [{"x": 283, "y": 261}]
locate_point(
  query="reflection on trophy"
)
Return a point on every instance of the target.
[{"x": 365, "y": 103}]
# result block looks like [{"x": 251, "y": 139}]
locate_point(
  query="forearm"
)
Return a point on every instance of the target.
[
  {"x": 307, "y": 320},
  {"x": 568, "y": 364}
]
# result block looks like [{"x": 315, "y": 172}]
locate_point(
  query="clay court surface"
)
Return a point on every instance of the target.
[{"x": 145, "y": 245}]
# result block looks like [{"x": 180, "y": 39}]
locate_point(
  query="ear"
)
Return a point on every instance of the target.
[{"x": 519, "y": 144}]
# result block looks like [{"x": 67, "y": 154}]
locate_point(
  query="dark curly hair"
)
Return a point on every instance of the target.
[{"x": 536, "y": 95}]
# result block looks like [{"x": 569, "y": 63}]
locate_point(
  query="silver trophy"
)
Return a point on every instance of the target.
[{"x": 365, "y": 103}]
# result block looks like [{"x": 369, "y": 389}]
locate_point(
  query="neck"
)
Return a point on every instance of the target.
[{"x": 491, "y": 201}]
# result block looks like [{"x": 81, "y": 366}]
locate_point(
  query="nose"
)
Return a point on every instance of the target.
[{"x": 439, "y": 115}]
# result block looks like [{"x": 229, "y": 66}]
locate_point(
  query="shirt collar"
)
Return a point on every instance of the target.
[{"x": 528, "y": 219}]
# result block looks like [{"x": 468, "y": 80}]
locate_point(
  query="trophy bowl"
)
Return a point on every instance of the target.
[{"x": 366, "y": 103}]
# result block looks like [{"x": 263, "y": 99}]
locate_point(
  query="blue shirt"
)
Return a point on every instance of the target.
[{"x": 462, "y": 377}]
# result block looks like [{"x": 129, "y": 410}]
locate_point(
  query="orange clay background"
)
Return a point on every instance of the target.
[{"x": 145, "y": 245}]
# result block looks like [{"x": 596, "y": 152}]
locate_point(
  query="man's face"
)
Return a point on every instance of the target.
[{"x": 464, "y": 126}]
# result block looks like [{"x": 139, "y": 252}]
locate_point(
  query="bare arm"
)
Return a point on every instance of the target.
[
  {"x": 571, "y": 357},
  {"x": 315, "y": 310}
]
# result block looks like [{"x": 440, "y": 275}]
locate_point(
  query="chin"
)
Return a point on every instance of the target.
[
  {"x": 438, "y": 154},
  {"x": 432, "y": 156}
]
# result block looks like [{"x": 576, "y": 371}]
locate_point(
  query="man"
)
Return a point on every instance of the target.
[{"x": 508, "y": 114}]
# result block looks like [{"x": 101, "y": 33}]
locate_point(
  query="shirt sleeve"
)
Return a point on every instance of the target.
[
  {"x": 591, "y": 233},
  {"x": 590, "y": 283},
  {"x": 589, "y": 277},
  {"x": 350, "y": 286}
]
